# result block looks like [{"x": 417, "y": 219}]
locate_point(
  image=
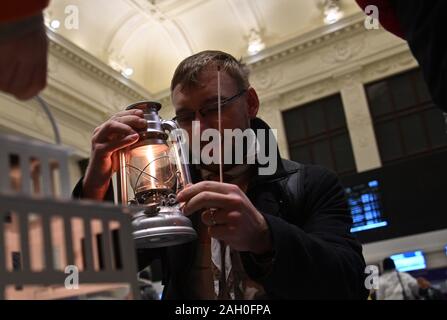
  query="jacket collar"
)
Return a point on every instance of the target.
[{"x": 280, "y": 171}]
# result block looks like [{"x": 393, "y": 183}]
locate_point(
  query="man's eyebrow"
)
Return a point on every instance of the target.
[
  {"x": 182, "y": 109},
  {"x": 213, "y": 99}
]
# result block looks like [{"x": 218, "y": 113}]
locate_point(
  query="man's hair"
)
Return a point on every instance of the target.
[
  {"x": 388, "y": 264},
  {"x": 189, "y": 69}
]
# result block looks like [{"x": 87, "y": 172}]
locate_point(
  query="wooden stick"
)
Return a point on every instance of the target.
[{"x": 220, "y": 125}]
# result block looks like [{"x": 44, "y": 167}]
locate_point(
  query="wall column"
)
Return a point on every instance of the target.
[{"x": 359, "y": 122}]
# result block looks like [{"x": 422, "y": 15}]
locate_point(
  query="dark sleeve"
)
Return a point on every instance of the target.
[
  {"x": 77, "y": 191},
  {"x": 387, "y": 15},
  {"x": 424, "y": 26},
  {"x": 321, "y": 259},
  {"x": 144, "y": 256},
  {"x": 16, "y": 29},
  {"x": 14, "y": 10},
  {"x": 421, "y": 23}
]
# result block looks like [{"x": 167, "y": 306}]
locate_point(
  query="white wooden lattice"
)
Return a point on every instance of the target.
[
  {"x": 52, "y": 161},
  {"x": 35, "y": 192}
]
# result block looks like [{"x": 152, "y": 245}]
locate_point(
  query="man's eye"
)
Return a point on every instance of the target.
[
  {"x": 186, "y": 116},
  {"x": 210, "y": 108}
]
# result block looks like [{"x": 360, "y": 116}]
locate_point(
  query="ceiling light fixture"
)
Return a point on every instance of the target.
[
  {"x": 55, "y": 24},
  {"x": 127, "y": 72},
  {"x": 255, "y": 43},
  {"x": 331, "y": 10},
  {"x": 121, "y": 66}
]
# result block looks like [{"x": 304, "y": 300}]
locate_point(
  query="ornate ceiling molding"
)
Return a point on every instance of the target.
[
  {"x": 247, "y": 17},
  {"x": 173, "y": 8},
  {"x": 120, "y": 36},
  {"x": 155, "y": 13}
]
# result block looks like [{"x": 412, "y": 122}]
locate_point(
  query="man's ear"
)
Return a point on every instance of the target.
[{"x": 252, "y": 102}]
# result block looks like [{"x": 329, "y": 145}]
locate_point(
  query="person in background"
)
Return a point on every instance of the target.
[
  {"x": 23, "y": 48},
  {"x": 427, "y": 291},
  {"x": 395, "y": 285},
  {"x": 421, "y": 23}
]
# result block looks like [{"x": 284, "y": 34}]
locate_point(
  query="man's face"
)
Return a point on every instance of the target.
[{"x": 234, "y": 115}]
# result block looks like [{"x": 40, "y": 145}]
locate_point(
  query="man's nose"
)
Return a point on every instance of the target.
[{"x": 203, "y": 121}]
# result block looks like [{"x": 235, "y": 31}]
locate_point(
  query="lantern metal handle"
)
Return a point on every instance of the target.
[{"x": 178, "y": 142}]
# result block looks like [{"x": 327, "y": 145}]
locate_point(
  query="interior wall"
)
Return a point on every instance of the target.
[{"x": 83, "y": 92}]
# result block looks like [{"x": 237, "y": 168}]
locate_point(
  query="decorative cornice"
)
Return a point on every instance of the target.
[
  {"x": 319, "y": 37},
  {"x": 388, "y": 66},
  {"x": 73, "y": 106},
  {"x": 84, "y": 61},
  {"x": 331, "y": 82},
  {"x": 28, "y": 119}
]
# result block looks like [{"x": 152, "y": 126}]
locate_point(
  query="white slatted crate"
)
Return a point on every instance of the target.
[{"x": 43, "y": 231}]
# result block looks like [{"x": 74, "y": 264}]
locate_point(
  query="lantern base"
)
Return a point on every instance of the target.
[{"x": 168, "y": 228}]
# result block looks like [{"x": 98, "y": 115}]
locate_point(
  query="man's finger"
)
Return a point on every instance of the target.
[
  {"x": 113, "y": 128},
  {"x": 34, "y": 86},
  {"x": 120, "y": 144},
  {"x": 22, "y": 79},
  {"x": 220, "y": 216},
  {"x": 39, "y": 81},
  {"x": 208, "y": 199},
  {"x": 188, "y": 193},
  {"x": 132, "y": 121},
  {"x": 134, "y": 112},
  {"x": 36, "y": 82},
  {"x": 10, "y": 78},
  {"x": 5, "y": 74}
]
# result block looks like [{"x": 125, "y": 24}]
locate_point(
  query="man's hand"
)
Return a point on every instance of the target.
[
  {"x": 117, "y": 133},
  {"x": 23, "y": 63},
  {"x": 236, "y": 221}
]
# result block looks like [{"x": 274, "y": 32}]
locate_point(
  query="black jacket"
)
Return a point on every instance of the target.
[{"x": 315, "y": 255}]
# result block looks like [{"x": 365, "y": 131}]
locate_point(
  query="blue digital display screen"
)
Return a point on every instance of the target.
[
  {"x": 365, "y": 205},
  {"x": 409, "y": 261}
]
